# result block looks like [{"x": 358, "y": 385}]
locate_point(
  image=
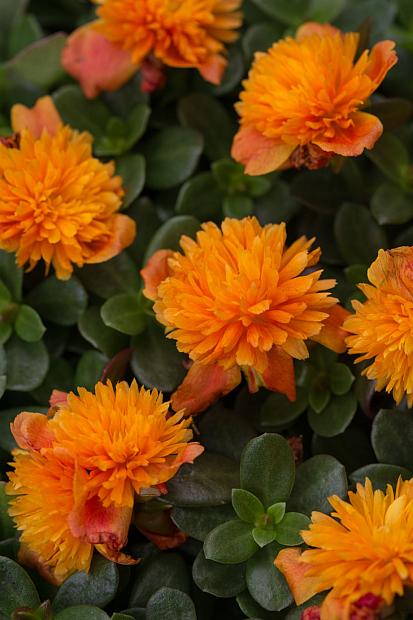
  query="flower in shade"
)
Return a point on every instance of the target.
[
  {"x": 239, "y": 298},
  {"x": 362, "y": 553},
  {"x": 382, "y": 326},
  {"x": 58, "y": 203},
  {"x": 130, "y": 35},
  {"x": 301, "y": 102},
  {"x": 77, "y": 472}
]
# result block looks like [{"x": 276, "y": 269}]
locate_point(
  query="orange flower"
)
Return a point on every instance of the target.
[
  {"x": 125, "y": 438},
  {"x": 184, "y": 33},
  {"x": 364, "y": 555},
  {"x": 76, "y": 473},
  {"x": 237, "y": 299},
  {"x": 301, "y": 101},
  {"x": 57, "y": 202},
  {"x": 382, "y": 326}
]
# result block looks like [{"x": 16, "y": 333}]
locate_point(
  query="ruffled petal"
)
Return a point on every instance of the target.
[
  {"x": 31, "y": 431},
  {"x": 310, "y": 28},
  {"x": 381, "y": 59},
  {"x": 363, "y": 134},
  {"x": 123, "y": 234},
  {"x": 302, "y": 587},
  {"x": 332, "y": 334},
  {"x": 213, "y": 70},
  {"x": 43, "y": 115},
  {"x": 279, "y": 376},
  {"x": 259, "y": 154},
  {"x": 155, "y": 271}
]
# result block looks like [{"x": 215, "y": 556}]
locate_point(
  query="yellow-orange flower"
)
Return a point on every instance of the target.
[
  {"x": 43, "y": 488},
  {"x": 237, "y": 297},
  {"x": 364, "y": 548},
  {"x": 382, "y": 326},
  {"x": 301, "y": 101},
  {"x": 178, "y": 33},
  {"x": 58, "y": 203},
  {"x": 125, "y": 438}
]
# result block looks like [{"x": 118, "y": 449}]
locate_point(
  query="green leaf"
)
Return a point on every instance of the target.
[
  {"x": 252, "y": 609},
  {"x": 208, "y": 482},
  {"x": 118, "y": 275},
  {"x": 6, "y": 331},
  {"x": 5, "y": 296},
  {"x": 60, "y": 376},
  {"x": 28, "y": 324},
  {"x": 93, "y": 329},
  {"x": 17, "y": 589},
  {"x": 358, "y": 235},
  {"x": 277, "y": 205},
  {"x": 81, "y": 113},
  {"x": 156, "y": 362},
  {"x": 288, "y": 531},
  {"x": 230, "y": 543},
  {"x": 82, "y": 612},
  {"x": 277, "y": 512},
  {"x": 121, "y": 135},
  {"x": 319, "y": 190},
  {"x": 146, "y": 217},
  {"x": 225, "y": 432},
  {"x": 61, "y": 301},
  {"x": 172, "y": 155},
  {"x": 221, "y": 580},
  {"x": 89, "y": 369},
  {"x": 7, "y": 442},
  {"x": 98, "y": 587},
  {"x": 39, "y": 63},
  {"x": 198, "y": 522},
  {"x": 390, "y": 205},
  {"x": 246, "y": 505},
  {"x": 356, "y": 274},
  {"x": 317, "y": 479},
  {"x": 336, "y": 416},
  {"x": 341, "y": 378},
  {"x": 201, "y": 197},
  {"x": 3, "y": 370},
  {"x": 125, "y": 313},
  {"x": 265, "y": 582},
  {"x": 25, "y": 31},
  {"x": 319, "y": 395},
  {"x": 264, "y": 535},
  {"x": 267, "y": 468},
  {"x": 259, "y": 38},
  {"x": 391, "y": 157},
  {"x": 10, "y": 12},
  {"x": 238, "y": 206},
  {"x": 132, "y": 169},
  {"x": 161, "y": 570},
  {"x": 10, "y": 273},
  {"x": 380, "y": 475},
  {"x": 232, "y": 75},
  {"x": 170, "y": 604},
  {"x": 291, "y": 12},
  {"x": 7, "y": 529},
  {"x": 391, "y": 437},
  {"x": 278, "y": 412},
  {"x": 169, "y": 234},
  {"x": 392, "y": 112},
  {"x": 27, "y": 364},
  {"x": 324, "y": 10},
  {"x": 352, "y": 448},
  {"x": 208, "y": 116}
]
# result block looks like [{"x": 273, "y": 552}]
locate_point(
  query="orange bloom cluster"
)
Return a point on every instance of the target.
[
  {"x": 238, "y": 298},
  {"x": 79, "y": 470},
  {"x": 301, "y": 101},
  {"x": 382, "y": 326},
  {"x": 58, "y": 203},
  {"x": 176, "y": 33},
  {"x": 362, "y": 553}
]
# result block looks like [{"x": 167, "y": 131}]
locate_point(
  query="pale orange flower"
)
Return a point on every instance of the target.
[
  {"x": 58, "y": 203},
  {"x": 382, "y": 327},
  {"x": 178, "y": 33},
  {"x": 237, "y": 298},
  {"x": 301, "y": 102},
  {"x": 78, "y": 470},
  {"x": 362, "y": 553}
]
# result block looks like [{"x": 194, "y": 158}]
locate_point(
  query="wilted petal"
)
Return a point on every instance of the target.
[
  {"x": 123, "y": 234},
  {"x": 259, "y": 154},
  {"x": 43, "y": 115},
  {"x": 32, "y": 431},
  {"x": 279, "y": 376}
]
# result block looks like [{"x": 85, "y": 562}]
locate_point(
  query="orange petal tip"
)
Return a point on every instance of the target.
[
  {"x": 155, "y": 271},
  {"x": 43, "y": 115},
  {"x": 31, "y": 431},
  {"x": 257, "y": 153},
  {"x": 302, "y": 587}
]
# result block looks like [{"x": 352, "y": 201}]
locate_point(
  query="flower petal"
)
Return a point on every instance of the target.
[
  {"x": 31, "y": 431},
  {"x": 117, "y": 556},
  {"x": 364, "y": 133},
  {"x": 43, "y": 115},
  {"x": 382, "y": 58},
  {"x": 213, "y": 70},
  {"x": 155, "y": 271},
  {"x": 302, "y": 587},
  {"x": 258, "y": 153},
  {"x": 95, "y": 62},
  {"x": 332, "y": 334},
  {"x": 58, "y": 398},
  {"x": 279, "y": 376},
  {"x": 123, "y": 234},
  {"x": 203, "y": 385},
  {"x": 310, "y": 28}
]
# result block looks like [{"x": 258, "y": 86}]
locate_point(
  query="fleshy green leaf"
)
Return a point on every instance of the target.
[
  {"x": 200, "y": 196},
  {"x": 265, "y": 582},
  {"x": 380, "y": 475},
  {"x": 61, "y": 301},
  {"x": 358, "y": 235},
  {"x": 160, "y": 570},
  {"x": 221, "y": 580},
  {"x": 104, "y": 338},
  {"x": 28, "y": 324},
  {"x": 82, "y": 612},
  {"x": 17, "y": 589},
  {"x": 27, "y": 364},
  {"x": 170, "y": 604},
  {"x": 341, "y": 378},
  {"x": 317, "y": 479},
  {"x": 230, "y": 543},
  {"x": 288, "y": 531},
  {"x": 392, "y": 436},
  {"x": 125, "y": 313},
  {"x": 132, "y": 169},
  {"x": 198, "y": 522},
  {"x": 248, "y": 507},
  {"x": 39, "y": 63},
  {"x": 167, "y": 237},
  {"x": 7, "y": 529},
  {"x": 335, "y": 417}
]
